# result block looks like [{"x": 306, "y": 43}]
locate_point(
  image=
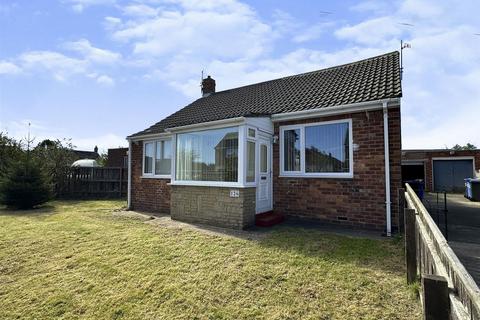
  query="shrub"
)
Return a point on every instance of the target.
[
  {"x": 55, "y": 158},
  {"x": 24, "y": 186}
]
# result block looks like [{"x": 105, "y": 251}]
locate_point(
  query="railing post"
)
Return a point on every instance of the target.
[
  {"x": 410, "y": 245},
  {"x": 401, "y": 210},
  {"x": 435, "y": 297}
]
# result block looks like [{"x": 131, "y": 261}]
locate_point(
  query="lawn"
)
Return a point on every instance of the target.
[{"x": 85, "y": 260}]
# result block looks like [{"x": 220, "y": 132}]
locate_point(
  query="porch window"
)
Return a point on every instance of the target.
[
  {"x": 250, "y": 161},
  {"x": 157, "y": 158},
  {"x": 210, "y": 155},
  {"x": 318, "y": 149}
]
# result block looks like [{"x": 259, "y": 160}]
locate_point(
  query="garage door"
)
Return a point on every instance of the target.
[{"x": 448, "y": 175}]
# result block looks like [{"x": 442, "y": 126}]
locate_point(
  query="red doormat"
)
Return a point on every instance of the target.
[{"x": 268, "y": 219}]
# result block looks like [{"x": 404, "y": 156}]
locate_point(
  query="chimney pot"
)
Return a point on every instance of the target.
[{"x": 208, "y": 86}]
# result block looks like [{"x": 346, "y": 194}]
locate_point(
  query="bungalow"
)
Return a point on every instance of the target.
[{"x": 322, "y": 145}]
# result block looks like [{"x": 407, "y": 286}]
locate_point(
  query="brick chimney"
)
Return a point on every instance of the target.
[{"x": 208, "y": 86}]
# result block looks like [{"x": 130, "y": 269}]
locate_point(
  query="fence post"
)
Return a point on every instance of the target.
[
  {"x": 410, "y": 245},
  {"x": 121, "y": 181},
  {"x": 401, "y": 210},
  {"x": 435, "y": 297}
]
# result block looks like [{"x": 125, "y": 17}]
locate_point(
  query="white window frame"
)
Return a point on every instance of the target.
[
  {"x": 245, "y": 161},
  {"x": 241, "y": 163},
  {"x": 153, "y": 175},
  {"x": 302, "y": 173}
]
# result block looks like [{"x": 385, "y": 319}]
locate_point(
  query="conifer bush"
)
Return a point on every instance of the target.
[{"x": 24, "y": 186}]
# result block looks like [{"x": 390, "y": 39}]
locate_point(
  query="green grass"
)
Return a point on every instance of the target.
[{"x": 79, "y": 260}]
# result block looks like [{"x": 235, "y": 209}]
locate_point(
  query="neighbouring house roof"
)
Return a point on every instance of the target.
[
  {"x": 82, "y": 154},
  {"x": 362, "y": 81}
]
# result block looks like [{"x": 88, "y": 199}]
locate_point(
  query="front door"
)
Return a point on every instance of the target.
[{"x": 264, "y": 175}]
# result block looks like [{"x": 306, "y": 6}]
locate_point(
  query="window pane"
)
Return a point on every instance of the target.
[
  {"x": 250, "y": 161},
  {"x": 263, "y": 158},
  {"x": 327, "y": 148},
  {"x": 163, "y": 157},
  {"x": 210, "y": 155},
  {"x": 291, "y": 152},
  {"x": 251, "y": 133},
  {"x": 148, "y": 158}
]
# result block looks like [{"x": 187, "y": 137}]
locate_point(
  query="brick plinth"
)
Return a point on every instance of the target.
[{"x": 213, "y": 206}]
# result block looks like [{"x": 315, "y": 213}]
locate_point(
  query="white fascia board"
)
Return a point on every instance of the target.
[
  {"x": 342, "y": 109},
  {"x": 208, "y": 125},
  {"x": 150, "y": 136}
]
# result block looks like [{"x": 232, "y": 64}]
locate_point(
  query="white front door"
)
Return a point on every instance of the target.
[{"x": 264, "y": 175}]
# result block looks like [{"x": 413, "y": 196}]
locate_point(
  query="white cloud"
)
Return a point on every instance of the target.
[
  {"x": 140, "y": 10},
  {"x": 9, "y": 68},
  {"x": 80, "y": 5},
  {"x": 312, "y": 32},
  {"x": 58, "y": 64},
  {"x": 88, "y": 61},
  {"x": 105, "y": 80},
  {"x": 199, "y": 28},
  {"x": 111, "y": 23},
  {"x": 92, "y": 54},
  {"x": 371, "y": 32}
]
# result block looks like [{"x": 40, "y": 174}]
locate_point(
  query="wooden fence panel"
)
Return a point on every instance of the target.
[
  {"x": 435, "y": 257},
  {"x": 97, "y": 182}
]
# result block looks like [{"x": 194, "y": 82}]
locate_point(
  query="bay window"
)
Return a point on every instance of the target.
[
  {"x": 157, "y": 158},
  {"x": 209, "y": 155},
  {"x": 317, "y": 149}
]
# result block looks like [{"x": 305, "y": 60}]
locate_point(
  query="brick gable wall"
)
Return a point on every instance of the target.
[
  {"x": 148, "y": 194},
  {"x": 358, "y": 202}
]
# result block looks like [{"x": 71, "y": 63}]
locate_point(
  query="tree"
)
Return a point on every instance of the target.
[
  {"x": 10, "y": 152},
  {"x": 55, "y": 158},
  {"x": 102, "y": 160},
  {"x": 468, "y": 146},
  {"x": 24, "y": 185}
]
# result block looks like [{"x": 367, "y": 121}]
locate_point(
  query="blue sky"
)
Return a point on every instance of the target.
[{"x": 98, "y": 70}]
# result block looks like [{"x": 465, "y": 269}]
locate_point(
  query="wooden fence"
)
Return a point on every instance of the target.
[
  {"x": 98, "y": 182},
  {"x": 448, "y": 290}
]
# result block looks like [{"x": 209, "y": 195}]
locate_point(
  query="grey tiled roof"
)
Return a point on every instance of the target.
[{"x": 366, "y": 80}]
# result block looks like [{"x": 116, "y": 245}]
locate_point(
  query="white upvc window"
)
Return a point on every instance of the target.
[
  {"x": 317, "y": 150},
  {"x": 157, "y": 158},
  {"x": 208, "y": 156},
  {"x": 250, "y": 170}
]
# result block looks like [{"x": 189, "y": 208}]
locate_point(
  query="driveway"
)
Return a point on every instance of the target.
[{"x": 463, "y": 226}]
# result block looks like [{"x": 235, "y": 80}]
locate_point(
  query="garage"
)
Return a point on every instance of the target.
[
  {"x": 413, "y": 171},
  {"x": 449, "y": 174}
]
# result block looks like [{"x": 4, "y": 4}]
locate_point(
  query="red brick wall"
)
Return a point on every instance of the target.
[
  {"x": 427, "y": 155},
  {"x": 148, "y": 194},
  {"x": 115, "y": 157},
  {"x": 360, "y": 200}
]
